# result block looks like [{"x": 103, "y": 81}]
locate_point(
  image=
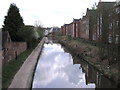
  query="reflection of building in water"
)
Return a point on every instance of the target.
[
  {"x": 91, "y": 75},
  {"x": 94, "y": 76},
  {"x": 104, "y": 82}
]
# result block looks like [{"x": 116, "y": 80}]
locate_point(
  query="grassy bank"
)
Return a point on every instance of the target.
[
  {"x": 90, "y": 53},
  {"x": 12, "y": 67}
]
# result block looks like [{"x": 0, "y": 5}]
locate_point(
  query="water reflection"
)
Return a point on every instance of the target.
[
  {"x": 55, "y": 69},
  {"x": 94, "y": 76}
]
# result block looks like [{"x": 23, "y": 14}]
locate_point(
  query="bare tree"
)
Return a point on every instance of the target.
[{"x": 38, "y": 24}]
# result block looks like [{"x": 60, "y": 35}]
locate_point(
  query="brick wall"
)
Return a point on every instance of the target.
[
  {"x": 19, "y": 47},
  {"x": 62, "y": 29},
  {"x": 12, "y": 50},
  {"x": 78, "y": 28},
  {"x": 84, "y": 28}
]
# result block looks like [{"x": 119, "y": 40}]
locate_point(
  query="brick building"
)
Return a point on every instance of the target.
[
  {"x": 101, "y": 24},
  {"x": 104, "y": 11},
  {"x": 76, "y": 27},
  {"x": 94, "y": 25},
  {"x": 67, "y": 28},
  {"x": 10, "y": 50},
  {"x": 61, "y": 30},
  {"x": 84, "y": 32},
  {"x": 70, "y": 29},
  {"x": 64, "y": 29},
  {"x": 91, "y": 16}
]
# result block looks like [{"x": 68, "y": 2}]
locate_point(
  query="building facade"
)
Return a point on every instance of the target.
[
  {"x": 104, "y": 11},
  {"x": 84, "y": 32}
]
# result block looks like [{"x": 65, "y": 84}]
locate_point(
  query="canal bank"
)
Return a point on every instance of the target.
[
  {"x": 24, "y": 76},
  {"x": 90, "y": 54}
]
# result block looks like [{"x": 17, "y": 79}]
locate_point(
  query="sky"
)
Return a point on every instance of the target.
[{"x": 48, "y": 13}]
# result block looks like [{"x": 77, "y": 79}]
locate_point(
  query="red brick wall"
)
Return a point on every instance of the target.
[
  {"x": 68, "y": 29},
  {"x": 61, "y": 29},
  {"x": 78, "y": 29},
  {"x": 72, "y": 29},
  {"x": 64, "y": 30},
  {"x": 19, "y": 47},
  {"x": 7, "y": 52},
  {"x": 12, "y": 50},
  {"x": 84, "y": 28},
  {"x": 69, "y": 32}
]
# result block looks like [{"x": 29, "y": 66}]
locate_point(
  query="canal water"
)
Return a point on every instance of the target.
[{"x": 57, "y": 69}]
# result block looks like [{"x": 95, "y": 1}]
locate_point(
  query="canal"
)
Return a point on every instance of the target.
[{"x": 56, "y": 68}]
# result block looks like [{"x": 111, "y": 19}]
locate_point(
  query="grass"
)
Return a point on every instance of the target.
[{"x": 12, "y": 67}]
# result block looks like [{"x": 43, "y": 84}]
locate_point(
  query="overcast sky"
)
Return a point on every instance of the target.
[{"x": 48, "y": 12}]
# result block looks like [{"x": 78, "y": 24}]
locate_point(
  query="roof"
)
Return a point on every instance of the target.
[
  {"x": 66, "y": 24},
  {"x": 76, "y": 20}
]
